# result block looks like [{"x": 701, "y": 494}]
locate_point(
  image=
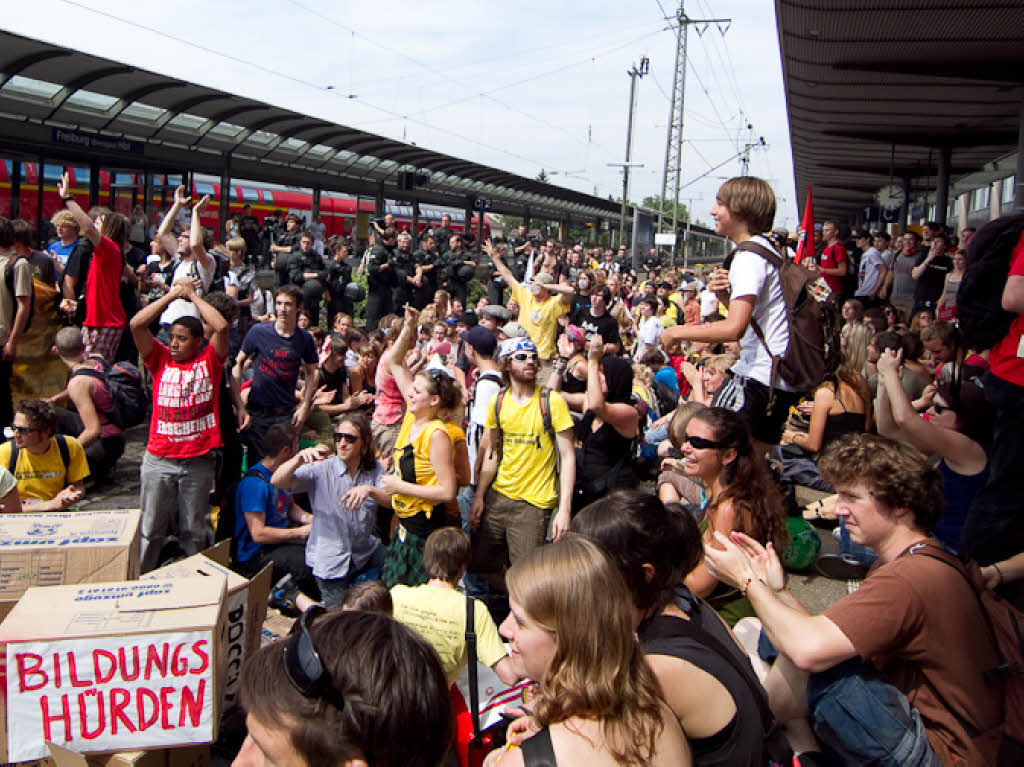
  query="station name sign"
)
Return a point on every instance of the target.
[{"x": 94, "y": 141}]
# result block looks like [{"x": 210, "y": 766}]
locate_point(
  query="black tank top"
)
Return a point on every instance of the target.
[
  {"x": 840, "y": 424},
  {"x": 740, "y": 743}
]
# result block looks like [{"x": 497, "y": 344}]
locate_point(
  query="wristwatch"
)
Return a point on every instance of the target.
[{"x": 67, "y": 199}]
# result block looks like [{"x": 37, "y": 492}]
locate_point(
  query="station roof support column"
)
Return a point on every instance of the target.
[
  {"x": 942, "y": 184},
  {"x": 16, "y": 167},
  {"x": 526, "y": 219},
  {"x": 94, "y": 184},
  {"x": 40, "y": 227},
  {"x": 317, "y": 190},
  {"x": 467, "y": 226},
  {"x": 415, "y": 224},
  {"x": 224, "y": 203},
  {"x": 378, "y": 202}
]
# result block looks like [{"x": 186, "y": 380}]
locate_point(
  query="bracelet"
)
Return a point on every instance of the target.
[
  {"x": 746, "y": 585},
  {"x": 1000, "y": 573},
  {"x": 67, "y": 199}
]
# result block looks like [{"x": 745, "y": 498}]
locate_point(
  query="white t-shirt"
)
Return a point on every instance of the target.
[
  {"x": 188, "y": 270},
  {"x": 485, "y": 388},
  {"x": 751, "y": 275},
  {"x": 871, "y": 263},
  {"x": 649, "y": 334}
]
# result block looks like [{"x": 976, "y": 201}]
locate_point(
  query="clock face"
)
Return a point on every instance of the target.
[{"x": 890, "y": 196}]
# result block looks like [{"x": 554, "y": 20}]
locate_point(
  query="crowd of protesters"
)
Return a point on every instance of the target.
[{"x": 599, "y": 449}]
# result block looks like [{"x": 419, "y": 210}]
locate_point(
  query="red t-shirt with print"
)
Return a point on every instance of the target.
[
  {"x": 185, "y": 400},
  {"x": 103, "y": 308},
  {"x": 1005, "y": 361}
]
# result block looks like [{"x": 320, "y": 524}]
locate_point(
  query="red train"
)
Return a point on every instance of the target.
[{"x": 122, "y": 191}]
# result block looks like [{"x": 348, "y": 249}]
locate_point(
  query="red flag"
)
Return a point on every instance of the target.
[{"x": 806, "y": 236}]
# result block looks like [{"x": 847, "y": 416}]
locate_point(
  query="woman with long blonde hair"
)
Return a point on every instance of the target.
[{"x": 571, "y": 630}]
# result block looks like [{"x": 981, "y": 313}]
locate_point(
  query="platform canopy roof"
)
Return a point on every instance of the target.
[
  {"x": 176, "y": 124},
  {"x": 874, "y": 89}
]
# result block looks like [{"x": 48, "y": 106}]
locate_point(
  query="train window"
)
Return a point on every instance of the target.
[
  {"x": 52, "y": 173},
  {"x": 1008, "y": 188},
  {"x": 268, "y": 197},
  {"x": 204, "y": 187},
  {"x": 125, "y": 179},
  {"x": 250, "y": 195},
  {"x": 81, "y": 177},
  {"x": 9, "y": 165}
]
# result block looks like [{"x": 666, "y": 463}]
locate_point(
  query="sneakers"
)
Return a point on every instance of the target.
[
  {"x": 283, "y": 596},
  {"x": 834, "y": 566}
]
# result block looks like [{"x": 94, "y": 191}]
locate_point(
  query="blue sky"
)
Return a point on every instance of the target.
[{"x": 520, "y": 86}]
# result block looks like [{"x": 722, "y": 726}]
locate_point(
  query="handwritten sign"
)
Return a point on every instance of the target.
[{"x": 109, "y": 693}]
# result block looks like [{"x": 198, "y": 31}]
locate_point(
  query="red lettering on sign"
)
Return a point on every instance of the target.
[
  {"x": 73, "y": 673},
  {"x": 179, "y": 666},
  {"x": 165, "y": 708},
  {"x": 124, "y": 664},
  {"x": 197, "y": 648},
  {"x": 30, "y": 663},
  {"x": 192, "y": 704},
  {"x": 99, "y": 675},
  {"x": 56, "y": 670},
  {"x": 64, "y": 716},
  {"x": 146, "y": 722},
  {"x": 83, "y": 719},
  {"x": 119, "y": 698},
  {"x": 154, "y": 658}
]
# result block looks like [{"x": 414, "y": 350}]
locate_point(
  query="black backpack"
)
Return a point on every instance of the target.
[
  {"x": 127, "y": 392},
  {"x": 665, "y": 399},
  {"x": 62, "y": 447},
  {"x": 980, "y": 312}
]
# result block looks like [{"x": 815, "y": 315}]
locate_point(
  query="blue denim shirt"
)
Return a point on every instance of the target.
[{"x": 339, "y": 541}]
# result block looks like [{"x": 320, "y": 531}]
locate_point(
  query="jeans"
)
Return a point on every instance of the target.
[
  {"x": 333, "y": 590},
  {"x": 994, "y": 529},
  {"x": 860, "y": 719},
  {"x": 175, "y": 500}
]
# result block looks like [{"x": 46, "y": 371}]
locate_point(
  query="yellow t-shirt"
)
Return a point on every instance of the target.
[
  {"x": 408, "y": 505},
  {"x": 439, "y": 616},
  {"x": 458, "y": 435},
  {"x": 539, "y": 319},
  {"x": 527, "y": 470},
  {"x": 41, "y": 477}
]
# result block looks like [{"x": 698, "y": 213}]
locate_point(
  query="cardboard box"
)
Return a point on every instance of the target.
[
  {"x": 191, "y": 756},
  {"x": 53, "y": 548},
  {"x": 113, "y": 666},
  {"x": 275, "y": 626},
  {"x": 245, "y": 606}
]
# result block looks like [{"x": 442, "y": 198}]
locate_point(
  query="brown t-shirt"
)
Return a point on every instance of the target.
[{"x": 918, "y": 621}]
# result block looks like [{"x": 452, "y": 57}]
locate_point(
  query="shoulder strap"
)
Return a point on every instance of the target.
[
  {"x": 474, "y": 701},
  {"x": 65, "y": 455},
  {"x": 497, "y": 410},
  {"x": 659, "y": 627},
  {"x": 539, "y": 751},
  {"x": 12, "y": 462},
  {"x": 545, "y": 411},
  {"x": 753, "y": 247},
  {"x": 253, "y": 472}
]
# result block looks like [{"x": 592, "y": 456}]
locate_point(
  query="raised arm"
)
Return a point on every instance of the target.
[
  {"x": 180, "y": 200},
  {"x": 148, "y": 315},
  {"x": 397, "y": 361},
  {"x": 196, "y": 235},
  {"x": 499, "y": 265},
  {"x": 621, "y": 415},
  {"x": 216, "y": 321},
  {"x": 85, "y": 224}
]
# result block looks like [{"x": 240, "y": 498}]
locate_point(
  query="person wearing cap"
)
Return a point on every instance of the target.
[
  {"x": 691, "y": 306},
  {"x": 493, "y": 316},
  {"x": 512, "y": 330},
  {"x": 539, "y": 311},
  {"x": 528, "y": 467},
  {"x": 479, "y": 344}
]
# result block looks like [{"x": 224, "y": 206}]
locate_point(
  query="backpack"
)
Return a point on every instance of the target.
[
  {"x": 545, "y": 412},
  {"x": 127, "y": 393},
  {"x": 9, "y": 282},
  {"x": 665, "y": 399},
  {"x": 979, "y": 307},
  {"x": 812, "y": 319},
  {"x": 1006, "y": 625},
  {"x": 220, "y": 271},
  {"x": 62, "y": 447}
]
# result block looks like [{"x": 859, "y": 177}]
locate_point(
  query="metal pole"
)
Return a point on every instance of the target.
[
  {"x": 679, "y": 140},
  {"x": 224, "y": 203},
  {"x": 40, "y": 228},
  {"x": 942, "y": 184},
  {"x": 16, "y": 167},
  {"x": 686, "y": 240},
  {"x": 94, "y": 184},
  {"x": 625, "y": 168}
]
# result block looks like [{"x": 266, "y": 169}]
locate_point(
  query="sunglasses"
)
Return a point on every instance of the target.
[
  {"x": 702, "y": 444},
  {"x": 23, "y": 429},
  {"x": 302, "y": 664},
  {"x": 348, "y": 439},
  {"x": 524, "y": 356}
]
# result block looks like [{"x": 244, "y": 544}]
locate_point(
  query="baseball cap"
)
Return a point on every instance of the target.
[
  {"x": 543, "y": 278},
  {"x": 514, "y": 330},
  {"x": 498, "y": 312},
  {"x": 481, "y": 339},
  {"x": 512, "y": 345}
]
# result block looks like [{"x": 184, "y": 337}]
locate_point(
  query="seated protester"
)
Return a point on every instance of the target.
[
  {"x": 957, "y": 426},
  {"x": 270, "y": 528},
  {"x": 344, "y": 490},
  {"x": 743, "y": 207},
  {"x": 674, "y": 484},
  {"x": 610, "y": 425},
  {"x": 840, "y": 406},
  {"x": 10, "y": 501},
  {"x": 50, "y": 467},
  {"x": 911, "y": 380},
  {"x": 569, "y": 373},
  {"x": 707, "y": 376},
  {"x": 706, "y": 677},
  {"x": 892, "y": 673},
  {"x": 90, "y": 423},
  {"x": 382, "y": 700},
  {"x": 436, "y": 610},
  {"x": 740, "y": 495}
]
